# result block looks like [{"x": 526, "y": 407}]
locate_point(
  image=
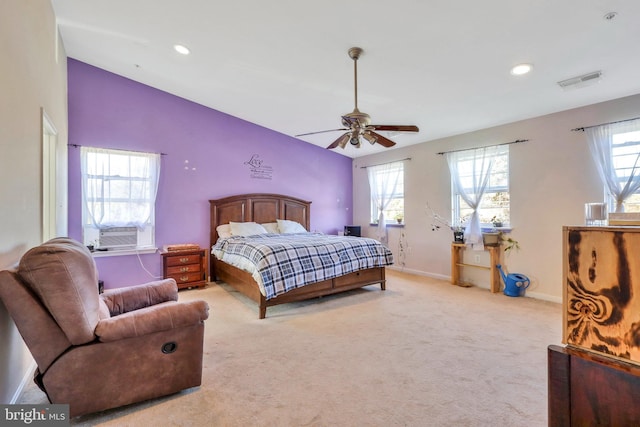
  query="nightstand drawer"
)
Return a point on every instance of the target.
[
  {"x": 179, "y": 269},
  {"x": 184, "y": 259},
  {"x": 186, "y": 277}
]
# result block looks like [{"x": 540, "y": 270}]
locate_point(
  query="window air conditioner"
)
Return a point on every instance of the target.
[{"x": 118, "y": 238}]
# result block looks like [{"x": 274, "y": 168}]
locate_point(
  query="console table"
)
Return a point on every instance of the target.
[{"x": 494, "y": 260}]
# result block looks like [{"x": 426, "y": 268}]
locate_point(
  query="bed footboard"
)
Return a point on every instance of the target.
[{"x": 244, "y": 283}]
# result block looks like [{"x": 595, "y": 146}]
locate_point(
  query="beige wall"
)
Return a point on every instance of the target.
[
  {"x": 33, "y": 76},
  {"x": 552, "y": 176}
]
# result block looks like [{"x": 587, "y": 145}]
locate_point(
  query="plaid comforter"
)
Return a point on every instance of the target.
[{"x": 287, "y": 261}]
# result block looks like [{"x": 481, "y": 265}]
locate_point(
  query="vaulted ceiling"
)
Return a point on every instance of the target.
[{"x": 441, "y": 65}]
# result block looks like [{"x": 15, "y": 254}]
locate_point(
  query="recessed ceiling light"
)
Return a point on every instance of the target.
[
  {"x": 521, "y": 69},
  {"x": 182, "y": 49}
]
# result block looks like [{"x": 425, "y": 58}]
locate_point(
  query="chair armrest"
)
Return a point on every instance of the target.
[
  {"x": 123, "y": 300},
  {"x": 160, "y": 317}
]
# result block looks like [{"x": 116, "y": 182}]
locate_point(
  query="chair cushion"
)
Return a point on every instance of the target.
[{"x": 64, "y": 276}]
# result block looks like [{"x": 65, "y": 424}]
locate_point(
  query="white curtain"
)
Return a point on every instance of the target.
[
  {"x": 383, "y": 182},
  {"x": 119, "y": 187},
  {"x": 470, "y": 171},
  {"x": 623, "y": 181}
]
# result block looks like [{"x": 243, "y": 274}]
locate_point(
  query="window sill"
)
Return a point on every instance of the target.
[
  {"x": 122, "y": 252},
  {"x": 395, "y": 224},
  {"x": 497, "y": 229}
]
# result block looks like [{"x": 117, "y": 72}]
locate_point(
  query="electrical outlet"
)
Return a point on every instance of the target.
[{"x": 477, "y": 258}]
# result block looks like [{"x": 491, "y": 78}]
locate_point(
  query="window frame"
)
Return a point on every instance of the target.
[
  {"x": 391, "y": 214},
  {"x": 505, "y": 218},
  {"x": 145, "y": 235},
  {"x": 624, "y": 142}
]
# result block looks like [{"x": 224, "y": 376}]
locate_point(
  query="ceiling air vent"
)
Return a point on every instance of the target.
[{"x": 581, "y": 81}]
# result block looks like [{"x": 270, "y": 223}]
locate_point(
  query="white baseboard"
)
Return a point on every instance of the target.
[
  {"x": 528, "y": 294},
  {"x": 419, "y": 272},
  {"x": 28, "y": 376}
]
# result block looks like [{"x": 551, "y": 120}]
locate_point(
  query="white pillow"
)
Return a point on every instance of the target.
[
  {"x": 271, "y": 227},
  {"x": 286, "y": 226},
  {"x": 246, "y": 228},
  {"x": 224, "y": 231}
]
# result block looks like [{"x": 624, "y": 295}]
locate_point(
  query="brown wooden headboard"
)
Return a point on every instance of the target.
[{"x": 260, "y": 208}]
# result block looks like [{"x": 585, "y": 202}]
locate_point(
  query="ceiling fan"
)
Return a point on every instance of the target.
[{"x": 358, "y": 124}]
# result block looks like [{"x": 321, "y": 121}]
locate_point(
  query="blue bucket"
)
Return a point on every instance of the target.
[{"x": 515, "y": 284}]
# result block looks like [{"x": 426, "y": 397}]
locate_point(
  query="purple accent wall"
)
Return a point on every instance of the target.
[{"x": 206, "y": 155}]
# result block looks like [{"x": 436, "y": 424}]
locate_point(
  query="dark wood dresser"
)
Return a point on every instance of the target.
[
  {"x": 589, "y": 389},
  {"x": 595, "y": 379},
  {"x": 188, "y": 268}
]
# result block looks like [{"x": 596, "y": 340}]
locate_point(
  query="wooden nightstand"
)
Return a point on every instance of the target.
[{"x": 188, "y": 268}]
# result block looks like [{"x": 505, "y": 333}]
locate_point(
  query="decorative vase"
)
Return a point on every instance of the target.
[{"x": 458, "y": 236}]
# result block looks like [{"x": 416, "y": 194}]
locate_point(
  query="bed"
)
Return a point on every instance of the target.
[{"x": 268, "y": 208}]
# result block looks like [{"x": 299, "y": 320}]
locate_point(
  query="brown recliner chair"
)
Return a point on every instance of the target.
[{"x": 100, "y": 351}]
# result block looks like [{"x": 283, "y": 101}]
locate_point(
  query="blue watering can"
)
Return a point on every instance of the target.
[{"x": 514, "y": 284}]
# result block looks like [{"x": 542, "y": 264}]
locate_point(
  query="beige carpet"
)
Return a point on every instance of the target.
[{"x": 421, "y": 353}]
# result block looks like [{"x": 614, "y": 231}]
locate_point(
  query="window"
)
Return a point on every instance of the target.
[
  {"x": 494, "y": 207},
  {"x": 119, "y": 191},
  {"x": 386, "y": 183},
  {"x": 614, "y": 148},
  {"x": 625, "y": 156}
]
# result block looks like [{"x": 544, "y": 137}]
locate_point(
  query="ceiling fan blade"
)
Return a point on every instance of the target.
[
  {"x": 385, "y": 142},
  {"x": 320, "y": 131},
  {"x": 342, "y": 141},
  {"x": 396, "y": 128}
]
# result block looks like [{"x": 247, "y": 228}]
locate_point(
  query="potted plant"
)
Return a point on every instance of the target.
[
  {"x": 458, "y": 234},
  {"x": 399, "y": 218},
  {"x": 509, "y": 243},
  {"x": 491, "y": 238},
  {"x": 438, "y": 221}
]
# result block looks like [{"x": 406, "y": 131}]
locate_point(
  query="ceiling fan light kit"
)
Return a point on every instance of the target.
[{"x": 358, "y": 124}]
